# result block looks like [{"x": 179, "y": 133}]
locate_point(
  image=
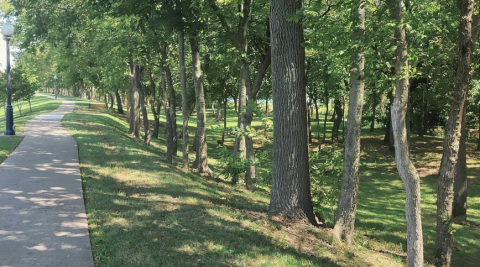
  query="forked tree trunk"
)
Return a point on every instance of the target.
[
  {"x": 290, "y": 194},
  {"x": 347, "y": 205},
  {"x": 134, "y": 101},
  {"x": 444, "y": 240},
  {"x": 201, "y": 156},
  {"x": 405, "y": 167},
  {"x": 185, "y": 111},
  {"x": 119, "y": 102}
]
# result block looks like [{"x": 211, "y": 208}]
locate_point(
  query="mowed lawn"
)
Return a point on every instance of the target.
[
  {"x": 144, "y": 212},
  {"x": 40, "y": 104}
]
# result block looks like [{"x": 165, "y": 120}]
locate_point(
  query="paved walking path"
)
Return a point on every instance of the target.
[{"x": 42, "y": 213}]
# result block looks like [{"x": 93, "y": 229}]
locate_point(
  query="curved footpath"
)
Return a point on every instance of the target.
[{"x": 42, "y": 213}]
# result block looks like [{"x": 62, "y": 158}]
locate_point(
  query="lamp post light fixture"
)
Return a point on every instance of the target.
[
  {"x": 7, "y": 31},
  {"x": 56, "y": 89}
]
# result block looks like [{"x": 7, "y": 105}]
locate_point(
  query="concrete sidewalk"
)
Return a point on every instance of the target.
[{"x": 42, "y": 213}]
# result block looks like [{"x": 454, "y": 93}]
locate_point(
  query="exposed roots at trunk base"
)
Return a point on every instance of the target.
[{"x": 293, "y": 215}]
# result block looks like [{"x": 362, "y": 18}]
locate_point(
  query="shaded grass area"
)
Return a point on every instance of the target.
[
  {"x": 143, "y": 212},
  {"x": 40, "y": 104}
]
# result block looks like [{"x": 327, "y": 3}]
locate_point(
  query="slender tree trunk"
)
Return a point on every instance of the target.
[
  {"x": 460, "y": 184},
  {"x": 146, "y": 127},
  {"x": 290, "y": 194},
  {"x": 156, "y": 106},
  {"x": 444, "y": 240},
  {"x": 201, "y": 156},
  {"x": 105, "y": 98},
  {"x": 317, "y": 118},
  {"x": 225, "y": 101},
  {"x": 405, "y": 167},
  {"x": 119, "y": 102},
  {"x": 325, "y": 122},
  {"x": 168, "y": 123},
  {"x": 347, "y": 205},
  {"x": 185, "y": 111},
  {"x": 338, "y": 109},
  {"x": 134, "y": 101},
  {"x": 172, "y": 105},
  {"x": 309, "y": 122},
  {"x": 388, "y": 139},
  {"x": 374, "y": 109}
]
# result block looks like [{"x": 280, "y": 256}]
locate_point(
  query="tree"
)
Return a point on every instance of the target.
[
  {"x": 290, "y": 194},
  {"x": 347, "y": 207},
  {"x": 405, "y": 167},
  {"x": 444, "y": 240}
]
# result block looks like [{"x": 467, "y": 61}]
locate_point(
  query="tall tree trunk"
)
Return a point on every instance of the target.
[
  {"x": 405, "y": 167},
  {"x": 388, "y": 139},
  {"x": 374, "y": 108},
  {"x": 347, "y": 205},
  {"x": 219, "y": 111},
  {"x": 83, "y": 93},
  {"x": 309, "y": 121},
  {"x": 156, "y": 106},
  {"x": 460, "y": 184},
  {"x": 119, "y": 102},
  {"x": 168, "y": 124},
  {"x": 225, "y": 102},
  {"x": 444, "y": 240},
  {"x": 172, "y": 104},
  {"x": 185, "y": 111},
  {"x": 146, "y": 127},
  {"x": 424, "y": 111},
  {"x": 74, "y": 90},
  {"x": 338, "y": 109},
  {"x": 134, "y": 101},
  {"x": 290, "y": 194},
  {"x": 201, "y": 156},
  {"x": 325, "y": 121},
  {"x": 317, "y": 118}
]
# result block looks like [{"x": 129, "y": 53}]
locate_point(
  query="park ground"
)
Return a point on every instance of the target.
[{"x": 144, "y": 212}]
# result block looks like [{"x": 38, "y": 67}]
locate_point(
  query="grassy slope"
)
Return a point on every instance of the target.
[
  {"x": 40, "y": 104},
  {"x": 143, "y": 212}
]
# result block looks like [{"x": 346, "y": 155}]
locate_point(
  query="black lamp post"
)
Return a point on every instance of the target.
[
  {"x": 7, "y": 31},
  {"x": 56, "y": 89}
]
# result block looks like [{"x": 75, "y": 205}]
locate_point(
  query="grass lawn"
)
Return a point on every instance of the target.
[
  {"x": 143, "y": 212},
  {"x": 40, "y": 104}
]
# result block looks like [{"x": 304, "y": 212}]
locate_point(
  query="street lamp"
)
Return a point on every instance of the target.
[
  {"x": 56, "y": 89},
  {"x": 7, "y": 31}
]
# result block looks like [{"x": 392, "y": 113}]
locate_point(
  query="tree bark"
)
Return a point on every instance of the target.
[
  {"x": 112, "y": 99},
  {"x": 405, "y": 167},
  {"x": 201, "y": 156},
  {"x": 156, "y": 106},
  {"x": 219, "y": 111},
  {"x": 444, "y": 240},
  {"x": 134, "y": 101},
  {"x": 325, "y": 120},
  {"x": 347, "y": 205},
  {"x": 460, "y": 184},
  {"x": 338, "y": 109},
  {"x": 185, "y": 111},
  {"x": 172, "y": 105},
  {"x": 290, "y": 194},
  {"x": 146, "y": 127},
  {"x": 388, "y": 139},
  {"x": 374, "y": 109},
  {"x": 119, "y": 103}
]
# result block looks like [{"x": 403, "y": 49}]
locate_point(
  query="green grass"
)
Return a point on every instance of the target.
[
  {"x": 40, "y": 104},
  {"x": 144, "y": 212}
]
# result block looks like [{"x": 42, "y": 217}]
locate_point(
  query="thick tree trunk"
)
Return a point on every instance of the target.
[
  {"x": 405, "y": 167},
  {"x": 347, "y": 205},
  {"x": 134, "y": 101},
  {"x": 219, "y": 111},
  {"x": 112, "y": 99},
  {"x": 185, "y": 111},
  {"x": 444, "y": 240},
  {"x": 460, "y": 184},
  {"x": 119, "y": 103},
  {"x": 201, "y": 156},
  {"x": 290, "y": 194}
]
